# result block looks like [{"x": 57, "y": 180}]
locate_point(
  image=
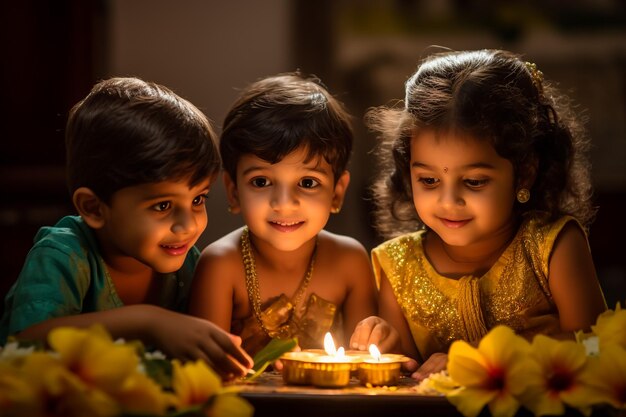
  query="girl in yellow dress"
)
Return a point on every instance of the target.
[
  {"x": 485, "y": 198},
  {"x": 285, "y": 146}
]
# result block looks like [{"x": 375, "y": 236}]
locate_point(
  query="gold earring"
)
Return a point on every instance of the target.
[
  {"x": 335, "y": 210},
  {"x": 523, "y": 195},
  {"x": 230, "y": 209}
]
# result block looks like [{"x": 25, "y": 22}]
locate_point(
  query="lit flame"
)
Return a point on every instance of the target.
[
  {"x": 341, "y": 352},
  {"x": 374, "y": 352},
  {"x": 329, "y": 345}
]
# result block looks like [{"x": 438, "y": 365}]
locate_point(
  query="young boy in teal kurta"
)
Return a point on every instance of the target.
[{"x": 140, "y": 161}]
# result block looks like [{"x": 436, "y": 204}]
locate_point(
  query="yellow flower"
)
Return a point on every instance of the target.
[
  {"x": 141, "y": 394},
  {"x": 493, "y": 375},
  {"x": 62, "y": 393},
  {"x": 608, "y": 376},
  {"x": 90, "y": 375},
  {"x": 589, "y": 341},
  {"x": 611, "y": 328},
  {"x": 92, "y": 356},
  {"x": 17, "y": 396},
  {"x": 195, "y": 384},
  {"x": 229, "y": 405},
  {"x": 561, "y": 378}
]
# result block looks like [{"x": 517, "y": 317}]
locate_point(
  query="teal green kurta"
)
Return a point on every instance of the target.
[{"x": 64, "y": 274}]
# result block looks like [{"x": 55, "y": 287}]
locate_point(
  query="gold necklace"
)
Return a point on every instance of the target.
[{"x": 252, "y": 285}]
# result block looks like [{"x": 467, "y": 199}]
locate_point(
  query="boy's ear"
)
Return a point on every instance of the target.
[
  {"x": 340, "y": 191},
  {"x": 89, "y": 206},
  {"x": 231, "y": 194}
]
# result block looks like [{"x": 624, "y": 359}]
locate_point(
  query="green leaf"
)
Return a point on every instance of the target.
[
  {"x": 160, "y": 370},
  {"x": 272, "y": 351},
  {"x": 258, "y": 372}
]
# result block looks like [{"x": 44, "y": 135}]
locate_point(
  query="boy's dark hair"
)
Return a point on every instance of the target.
[
  {"x": 495, "y": 96},
  {"x": 129, "y": 132},
  {"x": 277, "y": 115}
]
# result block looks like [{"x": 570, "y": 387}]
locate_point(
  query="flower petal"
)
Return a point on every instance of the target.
[
  {"x": 228, "y": 405},
  {"x": 466, "y": 365},
  {"x": 18, "y": 396},
  {"x": 504, "y": 405},
  {"x": 606, "y": 378},
  {"x": 140, "y": 394},
  {"x": 113, "y": 367},
  {"x": 194, "y": 382},
  {"x": 471, "y": 401},
  {"x": 611, "y": 328},
  {"x": 502, "y": 346},
  {"x": 564, "y": 353},
  {"x": 541, "y": 404}
]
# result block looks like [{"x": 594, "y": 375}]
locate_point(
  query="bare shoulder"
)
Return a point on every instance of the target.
[
  {"x": 340, "y": 244},
  {"x": 224, "y": 246},
  {"x": 571, "y": 242},
  {"x": 346, "y": 270},
  {"x": 222, "y": 255},
  {"x": 344, "y": 255},
  {"x": 573, "y": 281}
]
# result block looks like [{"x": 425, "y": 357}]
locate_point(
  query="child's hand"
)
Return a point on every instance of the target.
[
  {"x": 436, "y": 363},
  {"x": 374, "y": 330},
  {"x": 190, "y": 338}
]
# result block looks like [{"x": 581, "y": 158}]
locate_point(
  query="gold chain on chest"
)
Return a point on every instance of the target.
[{"x": 254, "y": 295}]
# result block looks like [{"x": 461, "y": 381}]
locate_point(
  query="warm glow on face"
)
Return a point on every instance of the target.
[
  {"x": 374, "y": 352},
  {"x": 329, "y": 345}
]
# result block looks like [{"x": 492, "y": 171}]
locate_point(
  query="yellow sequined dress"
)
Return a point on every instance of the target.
[
  {"x": 309, "y": 326},
  {"x": 439, "y": 310}
]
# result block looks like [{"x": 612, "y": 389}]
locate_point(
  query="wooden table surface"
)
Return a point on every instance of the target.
[{"x": 271, "y": 397}]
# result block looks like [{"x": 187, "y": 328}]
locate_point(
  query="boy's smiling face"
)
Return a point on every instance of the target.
[
  {"x": 155, "y": 224},
  {"x": 287, "y": 203}
]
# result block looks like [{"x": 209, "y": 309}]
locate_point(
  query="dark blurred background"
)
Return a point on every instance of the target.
[{"x": 54, "y": 51}]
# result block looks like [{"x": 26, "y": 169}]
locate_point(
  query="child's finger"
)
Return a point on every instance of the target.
[
  {"x": 410, "y": 366},
  {"x": 222, "y": 361},
  {"x": 230, "y": 344},
  {"x": 355, "y": 338},
  {"x": 436, "y": 363},
  {"x": 382, "y": 338},
  {"x": 235, "y": 339},
  {"x": 377, "y": 337},
  {"x": 225, "y": 356},
  {"x": 361, "y": 336},
  {"x": 240, "y": 356}
]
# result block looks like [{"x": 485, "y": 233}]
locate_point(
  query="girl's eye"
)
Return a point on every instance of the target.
[
  {"x": 260, "y": 182},
  {"x": 199, "y": 200},
  {"x": 308, "y": 183},
  {"x": 162, "y": 206},
  {"x": 472, "y": 183},
  {"x": 428, "y": 182}
]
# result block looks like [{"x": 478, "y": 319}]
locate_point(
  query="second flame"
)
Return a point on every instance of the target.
[
  {"x": 375, "y": 352},
  {"x": 329, "y": 347}
]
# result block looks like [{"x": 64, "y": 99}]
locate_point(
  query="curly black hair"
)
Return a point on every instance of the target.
[{"x": 496, "y": 96}]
